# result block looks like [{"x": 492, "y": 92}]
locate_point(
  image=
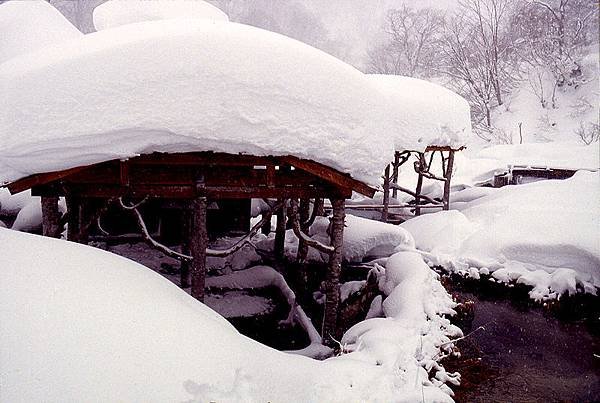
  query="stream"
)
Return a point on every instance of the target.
[{"x": 526, "y": 355}]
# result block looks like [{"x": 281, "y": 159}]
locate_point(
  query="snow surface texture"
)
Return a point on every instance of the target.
[
  {"x": 428, "y": 114},
  {"x": 544, "y": 234},
  {"x": 26, "y": 26},
  {"x": 188, "y": 85},
  {"x": 115, "y": 13},
  {"x": 363, "y": 238},
  {"x": 414, "y": 322},
  {"x": 93, "y": 306}
]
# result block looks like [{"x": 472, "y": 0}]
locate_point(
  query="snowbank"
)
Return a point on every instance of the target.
[
  {"x": 115, "y": 13},
  {"x": 414, "y": 329},
  {"x": 65, "y": 305},
  {"x": 26, "y": 26},
  {"x": 545, "y": 234},
  {"x": 92, "y": 306},
  {"x": 363, "y": 238},
  {"x": 427, "y": 114},
  {"x": 185, "y": 85}
]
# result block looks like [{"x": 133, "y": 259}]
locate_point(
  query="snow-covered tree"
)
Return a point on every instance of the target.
[{"x": 411, "y": 48}]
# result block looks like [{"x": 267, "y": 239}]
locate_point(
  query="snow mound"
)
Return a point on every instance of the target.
[
  {"x": 65, "y": 305},
  {"x": 413, "y": 329},
  {"x": 184, "y": 85},
  {"x": 545, "y": 234},
  {"x": 427, "y": 113},
  {"x": 363, "y": 238},
  {"x": 115, "y": 13},
  {"x": 26, "y": 26}
]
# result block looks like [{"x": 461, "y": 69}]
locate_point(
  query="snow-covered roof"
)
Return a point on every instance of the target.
[
  {"x": 115, "y": 13},
  {"x": 188, "y": 85},
  {"x": 427, "y": 114},
  {"x": 26, "y": 26}
]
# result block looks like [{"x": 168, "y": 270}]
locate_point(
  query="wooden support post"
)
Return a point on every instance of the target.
[
  {"x": 266, "y": 228},
  {"x": 395, "y": 173},
  {"x": 74, "y": 211},
  {"x": 198, "y": 244},
  {"x": 280, "y": 231},
  {"x": 304, "y": 215},
  {"x": 421, "y": 166},
  {"x": 51, "y": 217},
  {"x": 386, "y": 194},
  {"x": 184, "y": 268},
  {"x": 330, "y": 325},
  {"x": 448, "y": 176}
]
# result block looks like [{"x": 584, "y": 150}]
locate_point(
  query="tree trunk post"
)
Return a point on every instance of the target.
[
  {"x": 330, "y": 325},
  {"x": 280, "y": 232},
  {"x": 184, "y": 268},
  {"x": 303, "y": 216},
  {"x": 74, "y": 211},
  {"x": 449, "y": 166},
  {"x": 395, "y": 173},
  {"x": 266, "y": 228},
  {"x": 420, "y": 166},
  {"x": 386, "y": 194},
  {"x": 50, "y": 217},
  {"x": 198, "y": 244}
]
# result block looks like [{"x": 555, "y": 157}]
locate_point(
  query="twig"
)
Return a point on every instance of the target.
[{"x": 304, "y": 237}]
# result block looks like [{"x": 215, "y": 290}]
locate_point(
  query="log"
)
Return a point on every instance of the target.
[
  {"x": 448, "y": 172},
  {"x": 51, "y": 217},
  {"x": 386, "y": 194},
  {"x": 332, "y": 280},
  {"x": 304, "y": 215},
  {"x": 280, "y": 231},
  {"x": 198, "y": 243}
]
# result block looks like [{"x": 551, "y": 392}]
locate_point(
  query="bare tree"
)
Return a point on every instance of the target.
[
  {"x": 552, "y": 36},
  {"x": 413, "y": 39}
]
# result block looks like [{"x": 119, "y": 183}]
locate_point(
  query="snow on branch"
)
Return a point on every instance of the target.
[
  {"x": 304, "y": 237},
  {"x": 209, "y": 252}
]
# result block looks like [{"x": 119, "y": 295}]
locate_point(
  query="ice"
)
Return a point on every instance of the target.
[{"x": 115, "y": 13}]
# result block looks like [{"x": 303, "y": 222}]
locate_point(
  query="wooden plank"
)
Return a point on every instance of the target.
[
  {"x": 339, "y": 179},
  {"x": 40, "y": 179}
]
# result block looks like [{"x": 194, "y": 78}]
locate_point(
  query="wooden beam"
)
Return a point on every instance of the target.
[
  {"x": 51, "y": 217},
  {"x": 341, "y": 180},
  {"x": 386, "y": 193},
  {"x": 330, "y": 320},
  {"x": 279, "y": 247},
  {"x": 198, "y": 239},
  {"x": 40, "y": 179}
]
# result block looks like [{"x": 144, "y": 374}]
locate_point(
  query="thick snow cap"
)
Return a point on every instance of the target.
[
  {"x": 427, "y": 114},
  {"x": 187, "y": 85},
  {"x": 26, "y": 26},
  {"x": 115, "y": 13}
]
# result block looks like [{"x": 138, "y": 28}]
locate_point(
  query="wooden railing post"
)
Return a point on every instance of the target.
[
  {"x": 448, "y": 176},
  {"x": 386, "y": 194},
  {"x": 198, "y": 241}
]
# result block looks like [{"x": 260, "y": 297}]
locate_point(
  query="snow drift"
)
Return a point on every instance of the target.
[
  {"x": 115, "y": 13},
  {"x": 544, "y": 234},
  {"x": 26, "y": 26},
  {"x": 188, "y": 85},
  {"x": 65, "y": 306},
  {"x": 427, "y": 114}
]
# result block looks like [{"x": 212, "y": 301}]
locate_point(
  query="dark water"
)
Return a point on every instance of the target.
[{"x": 526, "y": 355}]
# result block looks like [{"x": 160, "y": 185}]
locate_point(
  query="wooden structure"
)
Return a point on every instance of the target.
[
  {"x": 422, "y": 166},
  {"x": 191, "y": 181}
]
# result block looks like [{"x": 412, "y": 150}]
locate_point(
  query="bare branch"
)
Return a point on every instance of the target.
[{"x": 304, "y": 237}]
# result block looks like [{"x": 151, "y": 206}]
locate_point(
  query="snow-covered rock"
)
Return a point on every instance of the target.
[
  {"x": 428, "y": 114},
  {"x": 26, "y": 26},
  {"x": 184, "y": 85},
  {"x": 115, "y": 13}
]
